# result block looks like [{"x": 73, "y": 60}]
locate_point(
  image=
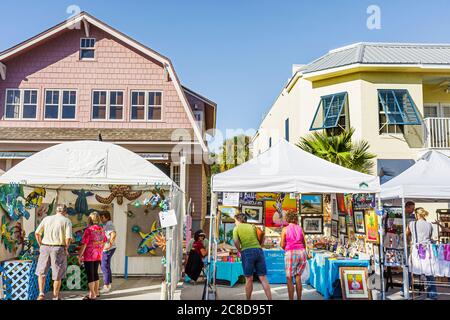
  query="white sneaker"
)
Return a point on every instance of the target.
[{"x": 105, "y": 290}]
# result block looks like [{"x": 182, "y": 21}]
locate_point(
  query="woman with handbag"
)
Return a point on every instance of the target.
[
  {"x": 293, "y": 242},
  {"x": 248, "y": 240}
]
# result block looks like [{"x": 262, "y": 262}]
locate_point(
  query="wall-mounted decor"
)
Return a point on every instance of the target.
[
  {"x": 335, "y": 228},
  {"x": 275, "y": 211},
  {"x": 11, "y": 196},
  {"x": 363, "y": 201},
  {"x": 81, "y": 205},
  {"x": 143, "y": 230},
  {"x": 334, "y": 208},
  {"x": 35, "y": 198},
  {"x": 119, "y": 192},
  {"x": 341, "y": 203},
  {"x": 312, "y": 225},
  {"x": 342, "y": 225},
  {"x": 348, "y": 199},
  {"x": 360, "y": 227},
  {"x": 372, "y": 226},
  {"x": 7, "y": 235},
  {"x": 354, "y": 283},
  {"x": 254, "y": 214},
  {"x": 150, "y": 240},
  {"x": 311, "y": 204},
  {"x": 266, "y": 196},
  {"x": 227, "y": 213}
]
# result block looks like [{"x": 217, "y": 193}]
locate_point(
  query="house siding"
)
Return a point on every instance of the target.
[{"x": 55, "y": 64}]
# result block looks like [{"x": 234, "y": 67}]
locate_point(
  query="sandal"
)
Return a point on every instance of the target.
[{"x": 87, "y": 298}]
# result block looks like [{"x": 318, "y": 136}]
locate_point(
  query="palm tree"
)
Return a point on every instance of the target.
[{"x": 340, "y": 149}]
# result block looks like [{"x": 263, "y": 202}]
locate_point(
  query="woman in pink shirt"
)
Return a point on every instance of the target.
[
  {"x": 94, "y": 238},
  {"x": 295, "y": 260}
]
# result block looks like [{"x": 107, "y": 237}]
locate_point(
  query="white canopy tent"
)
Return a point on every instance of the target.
[
  {"x": 86, "y": 163},
  {"x": 286, "y": 168},
  {"x": 428, "y": 180},
  {"x": 94, "y": 165}
]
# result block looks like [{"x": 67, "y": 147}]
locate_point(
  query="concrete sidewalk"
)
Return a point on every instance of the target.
[{"x": 191, "y": 291}]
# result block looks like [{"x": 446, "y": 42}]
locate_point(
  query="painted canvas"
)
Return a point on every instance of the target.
[
  {"x": 312, "y": 225},
  {"x": 371, "y": 219},
  {"x": 348, "y": 199},
  {"x": 227, "y": 213},
  {"x": 363, "y": 201},
  {"x": 334, "y": 208},
  {"x": 254, "y": 214},
  {"x": 334, "y": 228},
  {"x": 341, "y": 203},
  {"x": 342, "y": 225},
  {"x": 263, "y": 196},
  {"x": 275, "y": 211},
  {"x": 311, "y": 204},
  {"x": 360, "y": 227},
  {"x": 354, "y": 283}
]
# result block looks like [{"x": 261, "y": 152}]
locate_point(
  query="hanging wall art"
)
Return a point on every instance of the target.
[
  {"x": 149, "y": 242},
  {"x": 119, "y": 192},
  {"x": 81, "y": 206},
  {"x": 35, "y": 198},
  {"x": 7, "y": 235},
  {"x": 10, "y": 202}
]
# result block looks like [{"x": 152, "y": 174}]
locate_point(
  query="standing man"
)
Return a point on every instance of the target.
[
  {"x": 247, "y": 243},
  {"x": 53, "y": 235},
  {"x": 108, "y": 250}
]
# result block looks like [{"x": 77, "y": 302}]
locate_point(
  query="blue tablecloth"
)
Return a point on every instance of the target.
[
  {"x": 229, "y": 271},
  {"x": 324, "y": 273}
]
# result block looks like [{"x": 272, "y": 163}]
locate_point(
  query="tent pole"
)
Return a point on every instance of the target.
[
  {"x": 381, "y": 253},
  {"x": 212, "y": 218},
  {"x": 405, "y": 252}
]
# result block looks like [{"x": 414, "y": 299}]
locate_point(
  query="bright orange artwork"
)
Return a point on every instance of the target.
[
  {"x": 372, "y": 227},
  {"x": 276, "y": 211}
]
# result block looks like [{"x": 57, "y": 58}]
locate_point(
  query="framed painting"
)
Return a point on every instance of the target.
[
  {"x": 254, "y": 214},
  {"x": 311, "y": 204},
  {"x": 360, "y": 227},
  {"x": 371, "y": 219},
  {"x": 354, "y": 284},
  {"x": 334, "y": 208},
  {"x": 335, "y": 228},
  {"x": 348, "y": 199},
  {"x": 342, "y": 225},
  {"x": 227, "y": 213},
  {"x": 363, "y": 201},
  {"x": 312, "y": 225},
  {"x": 275, "y": 211},
  {"x": 341, "y": 203}
]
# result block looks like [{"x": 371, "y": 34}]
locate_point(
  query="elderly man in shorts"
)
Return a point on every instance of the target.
[{"x": 54, "y": 235}]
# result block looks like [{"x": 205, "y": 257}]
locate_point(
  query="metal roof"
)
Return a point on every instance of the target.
[{"x": 382, "y": 53}]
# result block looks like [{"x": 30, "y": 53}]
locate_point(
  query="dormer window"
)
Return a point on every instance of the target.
[{"x": 87, "y": 48}]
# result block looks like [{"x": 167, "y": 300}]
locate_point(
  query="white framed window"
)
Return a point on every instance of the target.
[
  {"x": 146, "y": 105},
  {"x": 107, "y": 105},
  {"x": 21, "y": 104},
  {"x": 60, "y": 104},
  {"x": 198, "y": 115},
  {"x": 176, "y": 174},
  {"x": 87, "y": 48}
]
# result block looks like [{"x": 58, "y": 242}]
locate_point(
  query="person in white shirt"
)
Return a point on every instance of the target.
[{"x": 108, "y": 250}]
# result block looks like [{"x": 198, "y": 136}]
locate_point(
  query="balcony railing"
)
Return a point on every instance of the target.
[{"x": 437, "y": 133}]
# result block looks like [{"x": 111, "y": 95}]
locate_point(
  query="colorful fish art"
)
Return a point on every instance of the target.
[
  {"x": 10, "y": 202},
  {"x": 34, "y": 199},
  {"x": 150, "y": 240},
  {"x": 7, "y": 235}
]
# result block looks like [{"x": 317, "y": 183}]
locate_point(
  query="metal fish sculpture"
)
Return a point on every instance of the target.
[
  {"x": 34, "y": 199},
  {"x": 149, "y": 240}
]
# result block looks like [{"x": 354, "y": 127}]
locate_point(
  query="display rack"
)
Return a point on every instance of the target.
[{"x": 443, "y": 216}]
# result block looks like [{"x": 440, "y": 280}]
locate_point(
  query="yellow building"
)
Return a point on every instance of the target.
[{"x": 395, "y": 96}]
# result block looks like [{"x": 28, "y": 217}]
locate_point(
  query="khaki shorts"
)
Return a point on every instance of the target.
[{"x": 56, "y": 258}]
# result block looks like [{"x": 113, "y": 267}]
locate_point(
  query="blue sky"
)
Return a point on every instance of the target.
[{"x": 239, "y": 53}]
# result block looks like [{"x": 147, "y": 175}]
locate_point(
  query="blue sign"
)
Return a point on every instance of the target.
[{"x": 275, "y": 266}]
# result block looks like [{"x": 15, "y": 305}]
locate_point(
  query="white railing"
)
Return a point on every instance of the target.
[{"x": 437, "y": 133}]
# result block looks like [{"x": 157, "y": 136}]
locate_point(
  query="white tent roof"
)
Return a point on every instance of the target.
[
  {"x": 287, "y": 168},
  {"x": 85, "y": 163},
  {"x": 429, "y": 178}
]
